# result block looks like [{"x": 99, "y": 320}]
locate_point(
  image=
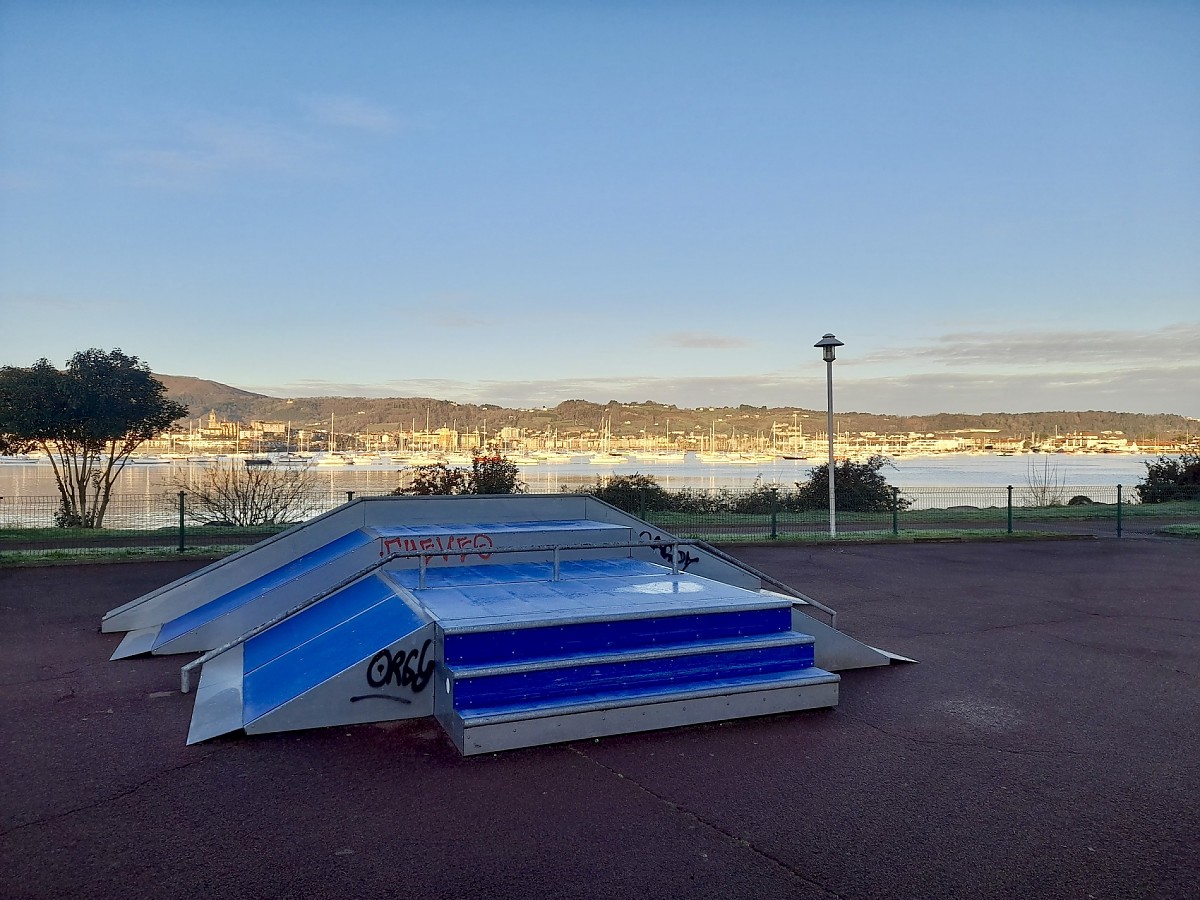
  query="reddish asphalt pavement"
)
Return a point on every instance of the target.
[{"x": 1046, "y": 745}]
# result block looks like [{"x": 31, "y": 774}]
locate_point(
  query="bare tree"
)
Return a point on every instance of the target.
[
  {"x": 1044, "y": 485},
  {"x": 249, "y": 495}
]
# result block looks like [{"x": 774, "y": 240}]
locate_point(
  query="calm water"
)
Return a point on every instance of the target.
[{"x": 19, "y": 480}]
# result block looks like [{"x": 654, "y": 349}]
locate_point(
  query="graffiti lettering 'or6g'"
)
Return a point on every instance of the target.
[
  {"x": 409, "y": 669},
  {"x": 681, "y": 558}
]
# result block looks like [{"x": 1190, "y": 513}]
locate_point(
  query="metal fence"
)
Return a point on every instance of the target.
[{"x": 34, "y": 527}]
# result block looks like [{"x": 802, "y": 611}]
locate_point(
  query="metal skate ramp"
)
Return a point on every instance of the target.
[{"x": 513, "y": 620}]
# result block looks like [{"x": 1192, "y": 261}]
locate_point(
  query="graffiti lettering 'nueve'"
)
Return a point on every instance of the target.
[
  {"x": 461, "y": 545},
  {"x": 681, "y": 556}
]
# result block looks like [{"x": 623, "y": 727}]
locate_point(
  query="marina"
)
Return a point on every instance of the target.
[{"x": 380, "y": 473}]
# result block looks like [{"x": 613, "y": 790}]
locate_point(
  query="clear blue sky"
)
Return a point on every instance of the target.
[{"x": 995, "y": 205}]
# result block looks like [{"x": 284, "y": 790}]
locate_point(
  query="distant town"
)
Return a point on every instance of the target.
[{"x": 210, "y": 435}]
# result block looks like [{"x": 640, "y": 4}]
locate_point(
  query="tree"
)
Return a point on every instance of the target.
[
  {"x": 434, "y": 479},
  {"x": 494, "y": 475},
  {"x": 860, "y": 487},
  {"x": 237, "y": 494},
  {"x": 635, "y": 493},
  {"x": 487, "y": 475},
  {"x": 1171, "y": 478},
  {"x": 88, "y": 419}
]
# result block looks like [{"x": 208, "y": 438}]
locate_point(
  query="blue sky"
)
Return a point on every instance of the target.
[{"x": 996, "y": 206}]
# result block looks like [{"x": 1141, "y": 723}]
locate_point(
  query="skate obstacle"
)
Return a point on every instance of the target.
[{"x": 514, "y": 621}]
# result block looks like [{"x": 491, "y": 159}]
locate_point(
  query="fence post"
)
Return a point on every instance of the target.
[
  {"x": 895, "y": 510},
  {"x": 1118, "y": 510},
  {"x": 642, "y": 502},
  {"x": 774, "y": 515},
  {"x": 181, "y": 529},
  {"x": 349, "y": 496},
  {"x": 1010, "y": 509}
]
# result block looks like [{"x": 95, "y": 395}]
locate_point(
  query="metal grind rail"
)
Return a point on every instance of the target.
[
  {"x": 423, "y": 557},
  {"x": 774, "y": 582}
]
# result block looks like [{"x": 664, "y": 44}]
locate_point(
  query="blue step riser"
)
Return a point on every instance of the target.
[
  {"x": 529, "y": 688},
  {"x": 525, "y": 644}
]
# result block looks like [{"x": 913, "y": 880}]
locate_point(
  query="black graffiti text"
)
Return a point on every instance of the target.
[
  {"x": 410, "y": 670},
  {"x": 670, "y": 552}
]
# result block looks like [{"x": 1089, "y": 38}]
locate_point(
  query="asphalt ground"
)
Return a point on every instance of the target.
[{"x": 1046, "y": 745}]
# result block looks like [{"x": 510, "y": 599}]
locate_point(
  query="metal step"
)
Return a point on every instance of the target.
[{"x": 621, "y": 712}]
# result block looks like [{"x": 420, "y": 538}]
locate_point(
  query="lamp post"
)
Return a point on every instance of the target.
[{"x": 829, "y": 345}]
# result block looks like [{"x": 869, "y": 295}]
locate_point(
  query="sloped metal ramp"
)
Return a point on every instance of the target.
[{"x": 361, "y": 655}]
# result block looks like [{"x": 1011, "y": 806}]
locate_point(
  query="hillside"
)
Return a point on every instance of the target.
[{"x": 403, "y": 413}]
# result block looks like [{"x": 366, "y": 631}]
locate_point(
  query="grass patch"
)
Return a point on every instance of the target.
[
  {"x": 874, "y": 537},
  {"x": 14, "y": 558},
  {"x": 1192, "y": 531}
]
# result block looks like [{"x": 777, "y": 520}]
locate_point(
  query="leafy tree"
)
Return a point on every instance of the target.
[
  {"x": 435, "y": 479},
  {"x": 635, "y": 493},
  {"x": 88, "y": 418},
  {"x": 237, "y": 494},
  {"x": 861, "y": 487},
  {"x": 487, "y": 475},
  {"x": 494, "y": 475},
  {"x": 1171, "y": 478}
]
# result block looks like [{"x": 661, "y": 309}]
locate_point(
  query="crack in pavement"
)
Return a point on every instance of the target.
[
  {"x": 1125, "y": 653},
  {"x": 739, "y": 841},
  {"x": 976, "y": 745},
  {"x": 109, "y": 799}
]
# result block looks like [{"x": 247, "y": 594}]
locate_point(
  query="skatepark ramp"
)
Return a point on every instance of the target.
[{"x": 515, "y": 621}]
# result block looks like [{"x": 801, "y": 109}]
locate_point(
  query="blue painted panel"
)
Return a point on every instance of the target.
[
  {"x": 650, "y": 693},
  {"x": 239, "y": 596},
  {"x": 612, "y": 679},
  {"x": 315, "y": 661},
  {"x": 317, "y": 619},
  {"x": 547, "y": 642}
]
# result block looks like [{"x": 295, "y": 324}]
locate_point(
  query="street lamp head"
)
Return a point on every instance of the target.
[{"x": 828, "y": 345}]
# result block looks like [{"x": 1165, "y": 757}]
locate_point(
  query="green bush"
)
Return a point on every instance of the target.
[
  {"x": 1171, "y": 478},
  {"x": 487, "y": 475},
  {"x": 633, "y": 493},
  {"x": 860, "y": 487}
]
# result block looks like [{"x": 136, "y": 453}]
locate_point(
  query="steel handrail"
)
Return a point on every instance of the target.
[{"x": 769, "y": 579}]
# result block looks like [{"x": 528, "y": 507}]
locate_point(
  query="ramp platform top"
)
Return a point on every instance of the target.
[{"x": 493, "y": 596}]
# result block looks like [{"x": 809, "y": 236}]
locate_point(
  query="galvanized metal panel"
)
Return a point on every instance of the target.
[
  {"x": 136, "y": 643},
  {"x": 394, "y": 682},
  {"x": 215, "y": 624},
  {"x": 218, "y": 706},
  {"x": 836, "y": 651},
  {"x": 294, "y": 670},
  {"x": 200, "y": 587},
  {"x": 571, "y": 726}
]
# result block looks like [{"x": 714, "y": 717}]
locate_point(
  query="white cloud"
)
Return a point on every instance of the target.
[
  {"x": 1160, "y": 347},
  {"x": 702, "y": 340}
]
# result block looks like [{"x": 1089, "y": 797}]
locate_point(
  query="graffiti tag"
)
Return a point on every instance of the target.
[
  {"x": 463, "y": 545},
  {"x": 679, "y": 555},
  {"x": 410, "y": 670}
]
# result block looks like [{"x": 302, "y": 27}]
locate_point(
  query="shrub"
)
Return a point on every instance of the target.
[
  {"x": 1171, "y": 478},
  {"x": 860, "y": 487},
  {"x": 487, "y": 475},
  {"x": 635, "y": 493},
  {"x": 494, "y": 475}
]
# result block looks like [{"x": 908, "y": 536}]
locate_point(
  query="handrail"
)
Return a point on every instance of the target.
[{"x": 769, "y": 579}]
